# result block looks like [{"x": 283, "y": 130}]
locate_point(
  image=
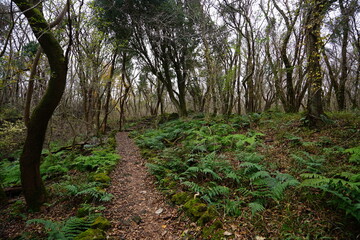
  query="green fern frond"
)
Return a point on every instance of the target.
[
  {"x": 243, "y": 192},
  {"x": 256, "y": 207},
  {"x": 260, "y": 174},
  {"x": 54, "y": 229},
  {"x": 194, "y": 187},
  {"x": 250, "y": 167},
  {"x": 214, "y": 175},
  {"x": 233, "y": 176},
  {"x": 74, "y": 226},
  {"x": 217, "y": 191}
]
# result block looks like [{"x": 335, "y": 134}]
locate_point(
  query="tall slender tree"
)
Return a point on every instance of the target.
[{"x": 32, "y": 184}]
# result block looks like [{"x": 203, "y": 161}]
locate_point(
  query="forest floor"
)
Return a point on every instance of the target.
[
  {"x": 138, "y": 210},
  {"x": 199, "y": 178}
]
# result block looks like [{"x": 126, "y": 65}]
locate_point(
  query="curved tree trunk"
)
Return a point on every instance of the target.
[{"x": 32, "y": 183}]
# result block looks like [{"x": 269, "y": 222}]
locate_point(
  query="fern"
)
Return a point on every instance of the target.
[
  {"x": 65, "y": 230},
  {"x": 250, "y": 167},
  {"x": 313, "y": 163},
  {"x": 216, "y": 190},
  {"x": 54, "y": 229},
  {"x": 89, "y": 191},
  {"x": 233, "y": 176},
  {"x": 74, "y": 226},
  {"x": 249, "y": 157},
  {"x": 9, "y": 173},
  {"x": 100, "y": 161},
  {"x": 256, "y": 207},
  {"x": 346, "y": 190},
  {"x": 260, "y": 174},
  {"x": 355, "y": 154},
  {"x": 194, "y": 187},
  {"x": 233, "y": 207}
]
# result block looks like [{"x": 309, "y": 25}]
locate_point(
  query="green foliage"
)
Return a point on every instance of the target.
[
  {"x": 267, "y": 185},
  {"x": 101, "y": 223},
  {"x": 256, "y": 207},
  {"x": 9, "y": 173},
  {"x": 64, "y": 230},
  {"x": 88, "y": 191},
  {"x": 345, "y": 189},
  {"x": 233, "y": 207},
  {"x": 355, "y": 154},
  {"x": 94, "y": 234},
  {"x": 12, "y": 135},
  {"x": 53, "y": 165},
  {"x": 99, "y": 161},
  {"x": 88, "y": 209},
  {"x": 312, "y": 163},
  {"x": 29, "y": 50},
  {"x": 190, "y": 156},
  {"x": 294, "y": 140}
]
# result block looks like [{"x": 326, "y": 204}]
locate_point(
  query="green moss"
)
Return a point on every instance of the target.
[
  {"x": 101, "y": 178},
  {"x": 180, "y": 198},
  {"x": 195, "y": 209},
  {"x": 208, "y": 216},
  {"x": 168, "y": 182},
  {"x": 94, "y": 234},
  {"x": 101, "y": 223},
  {"x": 214, "y": 231}
]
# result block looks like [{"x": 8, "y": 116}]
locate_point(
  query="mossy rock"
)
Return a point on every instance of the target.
[
  {"x": 168, "y": 182},
  {"x": 180, "y": 198},
  {"x": 101, "y": 223},
  {"x": 91, "y": 234},
  {"x": 195, "y": 209},
  {"x": 214, "y": 231},
  {"x": 101, "y": 178},
  {"x": 208, "y": 216}
]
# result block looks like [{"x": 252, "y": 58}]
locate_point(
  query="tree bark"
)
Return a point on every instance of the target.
[
  {"x": 33, "y": 186},
  {"x": 316, "y": 10},
  {"x": 31, "y": 87}
]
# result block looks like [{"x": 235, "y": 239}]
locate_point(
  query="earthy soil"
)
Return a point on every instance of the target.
[{"x": 138, "y": 210}]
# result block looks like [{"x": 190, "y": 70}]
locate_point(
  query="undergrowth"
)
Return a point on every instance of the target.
[
  {"x": 75, "y": 178},
  {"x": 229, "y": 164}
]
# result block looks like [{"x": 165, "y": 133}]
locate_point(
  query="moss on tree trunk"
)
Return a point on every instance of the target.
[{"x": 32, "y": 184}]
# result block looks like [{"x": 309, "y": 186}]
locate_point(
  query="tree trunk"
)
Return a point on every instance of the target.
[
  {"x": 108, "y": 92},
  {"x": 314, "y": 17},
  {"x": 340, "y": 93},
  {"x": 32, "y": 184},
  {"x": 31, "y": 87}
]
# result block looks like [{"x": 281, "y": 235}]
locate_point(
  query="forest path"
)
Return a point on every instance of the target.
[{"x": 138, "y": 210}]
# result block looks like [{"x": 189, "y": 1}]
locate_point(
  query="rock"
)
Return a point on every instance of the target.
[
  {"x": 194, "y": 209},
  {"x": 94, "y": 234},
  {"x": 207, "y": 216},
  {"x": 259, "y": 238},
  {"x": 226, "y": 233},
  {"x": 159, "y": 211},
  {"x": 180, "y": 198},
  {"x": 101, "y": 223}
]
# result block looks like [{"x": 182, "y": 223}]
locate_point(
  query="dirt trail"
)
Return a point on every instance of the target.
[{"x": 138, "y": 210}]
